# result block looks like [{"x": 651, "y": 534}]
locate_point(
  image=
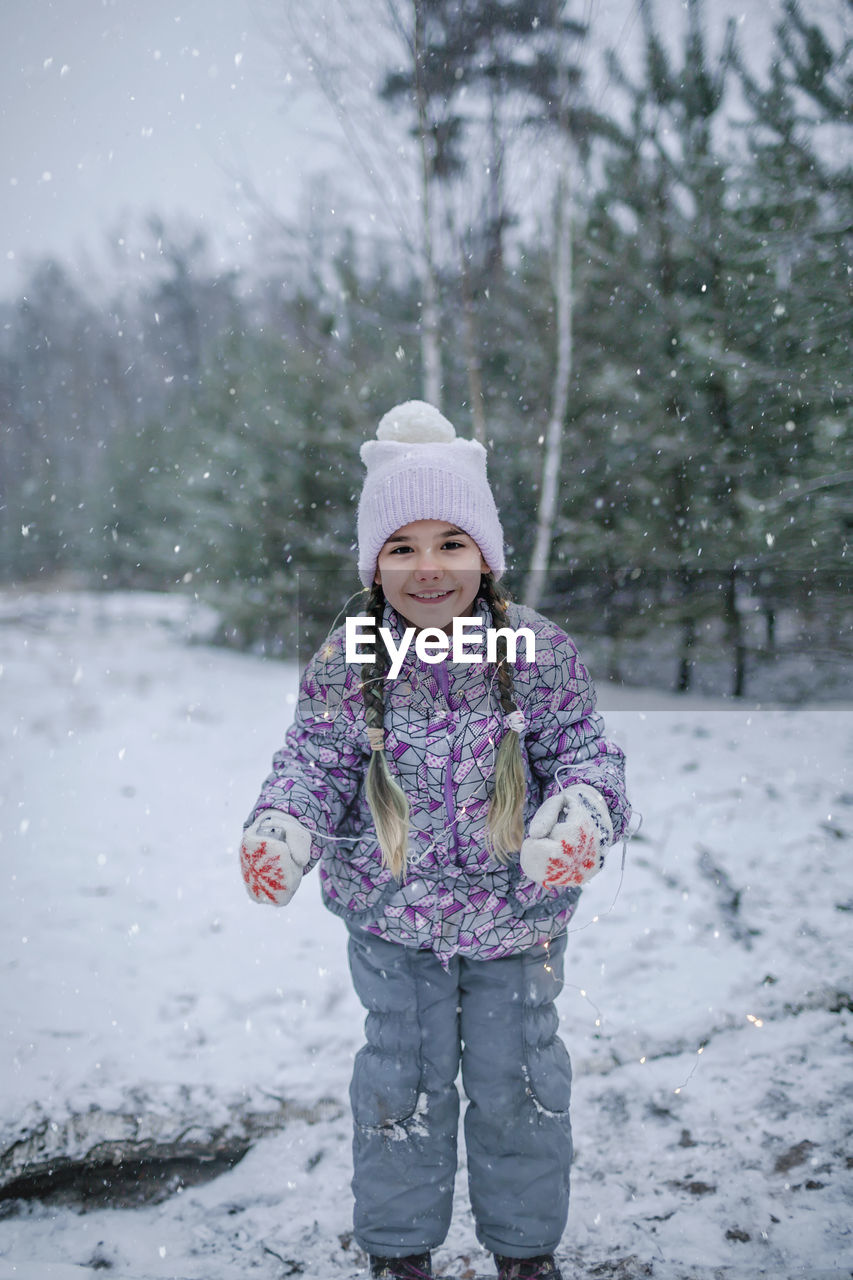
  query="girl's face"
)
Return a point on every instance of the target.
[{"x": 430, "y": 573}]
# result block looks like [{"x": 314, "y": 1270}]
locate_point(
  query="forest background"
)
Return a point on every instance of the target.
[{"x": 640, "y": 303}]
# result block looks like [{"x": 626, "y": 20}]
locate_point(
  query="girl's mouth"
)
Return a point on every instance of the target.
[{"x": 430, "y": 597}]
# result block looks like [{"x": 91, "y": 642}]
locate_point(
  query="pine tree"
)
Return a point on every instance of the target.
[
  {"x": 664, "y": 246},
  {"x": 797, "y": 207}
]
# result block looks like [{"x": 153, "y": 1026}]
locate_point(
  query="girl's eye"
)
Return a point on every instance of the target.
[{"x": 452, "y": 544}]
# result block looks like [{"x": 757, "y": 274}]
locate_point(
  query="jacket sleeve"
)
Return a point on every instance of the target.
[
  {"x": 565, "y": 741},
  {"x": 317, "y": 774}
]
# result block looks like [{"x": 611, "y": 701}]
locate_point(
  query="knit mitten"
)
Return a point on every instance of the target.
[
  {"x": 273, "y": 853},
  {"x": 568, "y": 836}
]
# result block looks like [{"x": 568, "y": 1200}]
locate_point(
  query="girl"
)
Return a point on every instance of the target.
[{"x": 414, "y": 794}]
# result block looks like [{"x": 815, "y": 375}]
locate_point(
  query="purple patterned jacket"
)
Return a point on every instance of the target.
[{"x": 443, "y": 724}]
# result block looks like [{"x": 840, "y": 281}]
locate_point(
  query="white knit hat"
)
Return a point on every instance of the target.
[{"x": 418, "y": 469}]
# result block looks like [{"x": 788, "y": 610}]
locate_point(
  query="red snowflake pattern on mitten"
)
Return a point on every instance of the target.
[
  {"x": 577, "y": 862},
  {"x": 262, "y": 872}
]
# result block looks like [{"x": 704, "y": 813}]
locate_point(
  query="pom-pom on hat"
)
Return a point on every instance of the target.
[{"x": 419, "y": 469}]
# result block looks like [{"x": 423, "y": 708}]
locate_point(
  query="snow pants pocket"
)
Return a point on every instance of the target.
[
  {"x": 387, "y": 1072},
  {"x": 549, "y": 1068}
]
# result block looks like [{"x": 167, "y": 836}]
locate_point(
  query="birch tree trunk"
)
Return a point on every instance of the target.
[
  {"x": 430, "y": 335},
  {"x": 552, "y": 456},
  {"x": 473, "y": 366}
]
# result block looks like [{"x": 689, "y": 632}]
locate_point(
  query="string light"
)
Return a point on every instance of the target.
[
  {"x": 599, "y": 1016},
  {"x": 333, "y": 712},
  {"x": 689, "y": 1076},
  {"x": 327, "y": 652}
]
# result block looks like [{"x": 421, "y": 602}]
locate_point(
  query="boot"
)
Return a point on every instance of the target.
[
  {"x": 416, "y": 1266},
  {"x": 542, "y": 1267}
]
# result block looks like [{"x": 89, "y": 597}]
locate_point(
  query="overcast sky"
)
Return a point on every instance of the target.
[{"x": 114, "y": 108}]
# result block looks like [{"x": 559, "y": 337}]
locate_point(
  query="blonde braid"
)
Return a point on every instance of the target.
[
  {"x": 505, "y": 824},
  {"x": 387, "y": 800}
]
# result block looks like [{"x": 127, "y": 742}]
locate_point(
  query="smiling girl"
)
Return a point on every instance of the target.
[
  {"x": 430, "y": 573},
  {"x": 454, "y": 810}
]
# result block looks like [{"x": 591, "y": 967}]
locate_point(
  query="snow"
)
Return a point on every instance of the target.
[{"x": 149, "y": 1005}]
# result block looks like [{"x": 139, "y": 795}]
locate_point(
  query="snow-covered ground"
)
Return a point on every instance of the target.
[{"x": 148, "y": 1006}]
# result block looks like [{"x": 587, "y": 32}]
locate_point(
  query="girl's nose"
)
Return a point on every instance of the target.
[{"x": 426, "y": 566}]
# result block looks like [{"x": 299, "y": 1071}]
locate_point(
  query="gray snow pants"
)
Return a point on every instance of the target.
[{"x": 498, "y": 1018}]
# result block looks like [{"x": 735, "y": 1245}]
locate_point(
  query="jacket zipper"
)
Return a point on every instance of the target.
[{"x": 444, "y": 682}]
